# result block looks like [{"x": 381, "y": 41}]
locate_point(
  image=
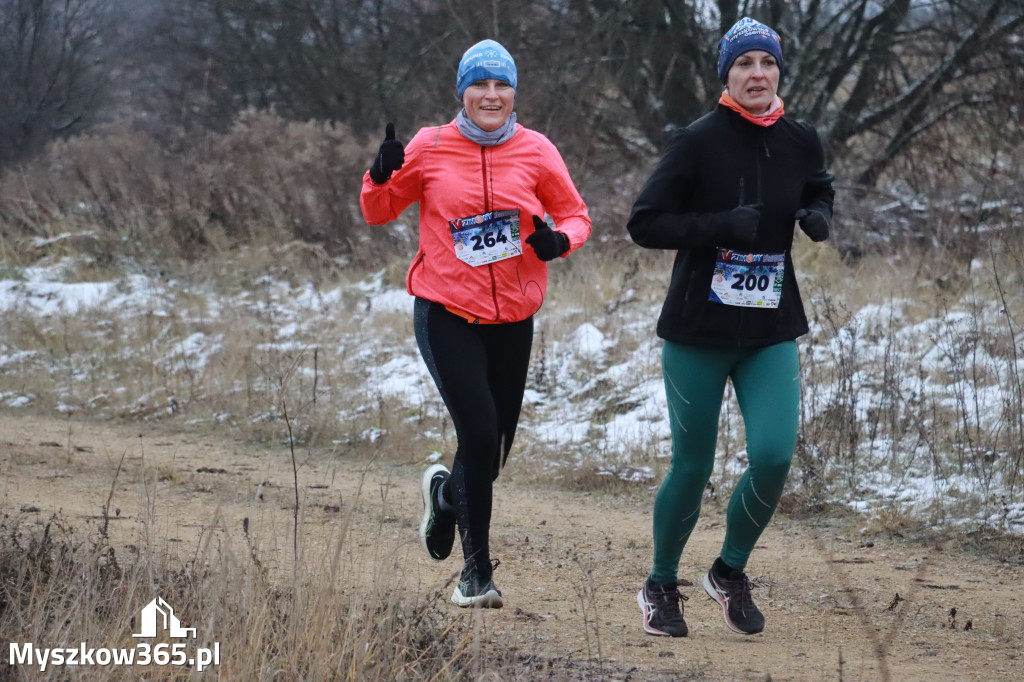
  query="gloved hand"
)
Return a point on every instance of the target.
[
  {"x": 741, "y": 225},
  {"x": 813, "y": 223},
  {"x": 548, "y": 244},
  {"x": 390, "y": 157}
]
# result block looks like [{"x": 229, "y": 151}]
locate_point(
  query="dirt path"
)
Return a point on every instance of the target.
[{"x": 571, "y": 562}]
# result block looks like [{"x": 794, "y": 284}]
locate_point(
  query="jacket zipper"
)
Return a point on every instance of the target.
[
  {"x": 487, "y": 207},
  {"x": 767, "y": 155},
  {"x": 741, "y": 318},
  {"x": 416, "y": 265}
]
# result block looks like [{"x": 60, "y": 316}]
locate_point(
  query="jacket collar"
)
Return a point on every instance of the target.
[{"x": 765, "y": 120}]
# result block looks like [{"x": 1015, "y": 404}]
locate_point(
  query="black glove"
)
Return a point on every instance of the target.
[
  {"x": 548, "y": 244},
  {"x": 740, "y": 225},
  {"x": 813, "y": 223},
  {"x": 390, "y": 157}
]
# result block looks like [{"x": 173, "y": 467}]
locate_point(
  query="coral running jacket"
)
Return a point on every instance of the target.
[{"x": 457, "y": 180}]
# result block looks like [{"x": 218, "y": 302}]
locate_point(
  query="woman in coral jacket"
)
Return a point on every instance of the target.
[
  {"x": 484, "y": 184},
  {"x": 726, "y": 197}
]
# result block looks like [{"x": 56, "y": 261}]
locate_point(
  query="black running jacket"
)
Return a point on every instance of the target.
[{"x": 716, "y": 163}]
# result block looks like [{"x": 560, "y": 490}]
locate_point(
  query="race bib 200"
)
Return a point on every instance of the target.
[{"x": 748, "y": 279}]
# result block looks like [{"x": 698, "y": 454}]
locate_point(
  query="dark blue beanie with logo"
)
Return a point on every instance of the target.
[
  {"x": 744, "y": 36},
  {"x": 486, "y": 59}
]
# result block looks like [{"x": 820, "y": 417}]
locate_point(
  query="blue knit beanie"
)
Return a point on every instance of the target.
[
  {"x": 744, "y": 36},
  {"x": 486, "y": 59}
]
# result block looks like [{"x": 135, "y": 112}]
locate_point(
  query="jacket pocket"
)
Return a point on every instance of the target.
[{"x": 417, "y": 263}]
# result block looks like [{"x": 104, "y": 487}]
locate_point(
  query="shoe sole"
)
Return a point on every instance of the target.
[
  {"x": 713, "y": 592},
  {"x": 648, "y": 628},
  {"x": 491, "y": 599},
  {"x": 425, "y": 494}
]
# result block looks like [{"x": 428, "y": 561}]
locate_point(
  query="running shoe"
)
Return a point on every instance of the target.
[
  {"x": 437, "y": 530},
  {"x": 733, "y": 595},
  {"x": 662, "y": 606},
  {"x": 476, "y": 587}
]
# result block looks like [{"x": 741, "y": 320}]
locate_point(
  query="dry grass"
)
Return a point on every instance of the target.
[
  {"x": 122, "y": 192},
  {"x": 908, "y": 345},
  {"x": 215, "y": 346},
  {"x": 228, "y": 228},
  {"x": 61, "y": 587}
]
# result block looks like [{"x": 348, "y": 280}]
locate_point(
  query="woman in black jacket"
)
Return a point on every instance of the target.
[{"x": 726, "y": 197}]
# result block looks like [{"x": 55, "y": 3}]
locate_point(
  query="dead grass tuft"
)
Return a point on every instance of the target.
[
  {"x": 62, "y": 585},
  {"x": 119, "y": 192}
]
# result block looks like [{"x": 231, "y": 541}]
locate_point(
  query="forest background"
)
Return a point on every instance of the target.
[{"x": 181, "y": 244}]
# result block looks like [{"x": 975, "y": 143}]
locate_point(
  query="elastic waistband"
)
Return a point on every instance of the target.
[{"x": 468, "y": 317}]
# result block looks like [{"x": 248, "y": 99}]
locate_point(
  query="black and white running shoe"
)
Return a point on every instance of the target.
[
  {"x": 476, "y": 587},
  {"x": 733, "y": 595},
  {"x": 662, "y": 608},
  {"x": 437, "y": 530}
]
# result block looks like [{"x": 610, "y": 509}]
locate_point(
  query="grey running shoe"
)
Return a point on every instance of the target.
[
  {"x": 733, "y": 595},
  {"x": 476, "y": 587},
  {"x": 662, "y": 608},
  {"x": 437, "y": 530}
]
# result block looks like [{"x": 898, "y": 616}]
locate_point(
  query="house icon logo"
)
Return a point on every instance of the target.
[{"x": 159, "y": 612}]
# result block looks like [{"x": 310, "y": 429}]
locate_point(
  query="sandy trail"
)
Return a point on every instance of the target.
[{"x": 571, "y": 563}]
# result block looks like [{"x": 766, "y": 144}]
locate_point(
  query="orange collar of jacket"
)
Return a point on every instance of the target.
[{"x": 766, "y": 120}]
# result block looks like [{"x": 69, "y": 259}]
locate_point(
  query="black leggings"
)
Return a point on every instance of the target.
[{"x": 480, "y": 370}]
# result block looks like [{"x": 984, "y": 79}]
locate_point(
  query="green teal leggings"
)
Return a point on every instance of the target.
[{"x": 767, "y": 385}]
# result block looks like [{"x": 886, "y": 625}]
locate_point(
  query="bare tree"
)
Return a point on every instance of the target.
[
  {"x": 883, "y": 80},
  {"x": 51, "y": 70},
  {"x": 356, "y": 61},
  {"x": 879, "y": 77}
]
